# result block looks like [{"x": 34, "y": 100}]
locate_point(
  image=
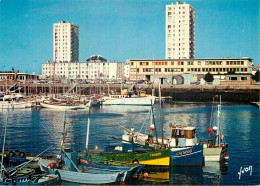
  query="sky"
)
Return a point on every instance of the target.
[{"x": 123, "y": 29}]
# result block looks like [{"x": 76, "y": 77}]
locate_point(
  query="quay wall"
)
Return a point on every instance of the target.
[
  {"x": 206, "y": 93},
  {"x": 200, "y": 93}
]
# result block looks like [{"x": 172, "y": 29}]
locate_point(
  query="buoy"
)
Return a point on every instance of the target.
[
  {"x": 51, "y": 165},
  {"x": 145, "y": 175},
  {"x": 209, "y": 130},
  {"x": 152, "y": 127},
  {"x": 226, "y": 156},
  {"x": 215, "y": 129},
  {"x": 122, "y": 182}
]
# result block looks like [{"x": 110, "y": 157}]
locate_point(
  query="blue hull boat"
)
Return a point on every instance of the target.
[{"x": 187, "y": 155}]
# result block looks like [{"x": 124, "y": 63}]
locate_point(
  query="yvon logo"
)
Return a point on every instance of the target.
[{"x": 245, "y": 170}]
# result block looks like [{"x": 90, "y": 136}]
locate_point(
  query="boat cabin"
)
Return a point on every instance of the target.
[{"x": 183, "y": 136}]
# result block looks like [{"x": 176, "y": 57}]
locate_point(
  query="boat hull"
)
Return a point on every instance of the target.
[
  {"x": 214, "y": 153},
  {"x": 88, "y": 178},
  {"x": 60, "y": 107},
  {"x": 149, "y": 157},
  {"x": 130, "y": 171},
  {"x": 92, "y": 177},
  {"x": 187, "y": 155},
  {"x": 142, "y": 101},
  {"x": 12, "y": 105}
]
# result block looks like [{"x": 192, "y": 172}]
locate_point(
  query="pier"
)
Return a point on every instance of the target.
[{"x": 234, "y": 93}]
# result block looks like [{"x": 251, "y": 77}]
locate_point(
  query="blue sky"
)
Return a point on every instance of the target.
[{"x": 123, "y": 29}]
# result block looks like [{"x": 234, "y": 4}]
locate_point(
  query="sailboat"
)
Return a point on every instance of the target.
[{"x": 216, "y": 147}]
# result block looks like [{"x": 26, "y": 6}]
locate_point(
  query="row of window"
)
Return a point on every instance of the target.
[
  {"x": 193, "y": 62},
  {"x": 236, "y": 78},
  {"x": 191, "y": 69}
]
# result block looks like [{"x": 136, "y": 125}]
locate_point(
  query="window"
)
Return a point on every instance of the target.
[
  {"x": 232, "y": 78},
  {"x": 243, "y": 78}
]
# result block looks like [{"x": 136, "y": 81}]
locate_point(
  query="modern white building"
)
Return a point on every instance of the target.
[
  {"x": 180, "y": 31},
  {"x": 93, "y": 68},
  {"x": 65, "y": 42}
]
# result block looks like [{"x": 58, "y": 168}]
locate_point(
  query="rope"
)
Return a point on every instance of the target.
[{"x": 211, "y": 113}]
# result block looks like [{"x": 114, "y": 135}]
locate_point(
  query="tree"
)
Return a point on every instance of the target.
[
  {"x": 256, "y": 77},
  {"x": 208, "y": 77}
]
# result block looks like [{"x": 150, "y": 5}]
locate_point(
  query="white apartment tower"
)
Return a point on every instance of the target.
[
  {"x": 180, "y": 32},
  {"x": 65, "y": 42}
]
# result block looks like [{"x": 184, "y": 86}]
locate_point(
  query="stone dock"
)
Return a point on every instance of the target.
[{"x": 200, "y": 93}]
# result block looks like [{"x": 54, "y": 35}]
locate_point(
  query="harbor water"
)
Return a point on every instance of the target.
[{"x": 30, "y": 130}]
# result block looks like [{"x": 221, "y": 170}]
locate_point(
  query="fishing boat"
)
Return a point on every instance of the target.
[
  {"x": 144, "y": 156},
  {"x": 180, "y": 149},
  {"x": 216, "y": 147},
  {"x": 130, "y": 169}
]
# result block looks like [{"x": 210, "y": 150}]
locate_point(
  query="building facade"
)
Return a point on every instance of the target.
[
  {"x": 180, "y": 31},
  {"x": 148, "y": 69},
  {"x": 92, "y": 69},
  {"x": 65, "y": 42}
]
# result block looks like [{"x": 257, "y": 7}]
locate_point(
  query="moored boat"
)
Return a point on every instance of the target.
[
  {"x": 11, "y": 101},
  {"x": 216, "y": 147},
  {"x": 84, "y": 176},
  {"x": 60, "y": 106},
  {"x": 125, "y": 99}
]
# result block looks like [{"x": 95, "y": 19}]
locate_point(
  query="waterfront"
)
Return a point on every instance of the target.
[{"x": 240, "y": 125}]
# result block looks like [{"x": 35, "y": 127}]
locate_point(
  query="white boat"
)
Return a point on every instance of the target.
[
  {"x": 11, "y": 101},
  {"x": 60, "y": 106},
  {"x": 127, "y": 100}
]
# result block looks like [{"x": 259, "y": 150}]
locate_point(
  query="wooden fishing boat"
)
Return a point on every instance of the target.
[
  {"x": 145, "y": 156},
  {"x": 180, "y": 149}
]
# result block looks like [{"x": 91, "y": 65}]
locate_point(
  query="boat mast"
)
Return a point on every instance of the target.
[
  {"x": 87, "y": 135},
  {"x": 53, "y": 79},
  {"x": 218, "y": 126},
  {"x": 153, "y": 121},
  {"x": 160, "y": 97},
  {"x": 3, "y": 149}
]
